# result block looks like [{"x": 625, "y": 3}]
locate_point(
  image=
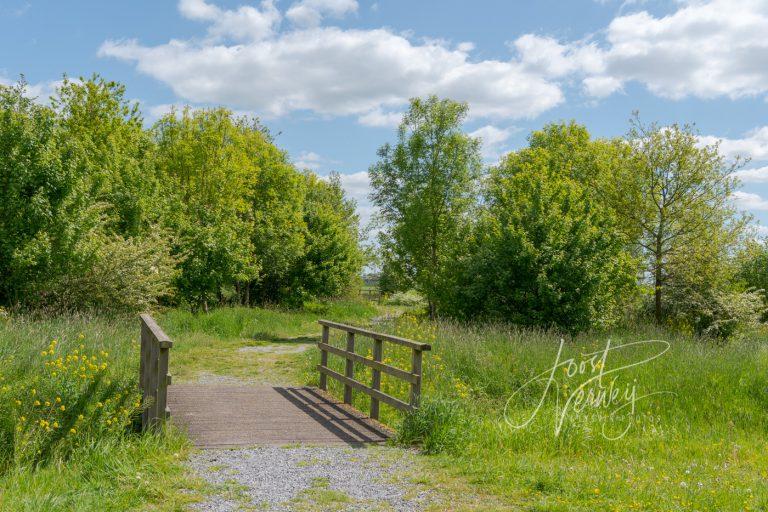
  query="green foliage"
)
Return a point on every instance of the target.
[
  {"x": 676, "y": 198},
  {"x": 436, "y": 426},
  {"x": 425, "y": 187},
  {"x": 545, "y": 252},
  {"x": 332, "y": 259},
  {"x": 97, "y": 212}
]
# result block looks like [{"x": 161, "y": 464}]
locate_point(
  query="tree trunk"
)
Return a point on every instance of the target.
[
  {"x": 657, "y": 281},
  {"x": 432, "y": 310}
]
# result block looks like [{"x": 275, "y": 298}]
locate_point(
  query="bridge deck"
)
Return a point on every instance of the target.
[{"x": 219, "y": 416}]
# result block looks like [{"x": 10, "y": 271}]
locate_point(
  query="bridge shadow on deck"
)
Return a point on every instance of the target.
[{"x": 220, "y": 416}]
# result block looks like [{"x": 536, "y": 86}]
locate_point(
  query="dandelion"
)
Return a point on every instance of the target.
[
  {"x": 58, "y": 399},
  {"x": 73, "y": 431},
  {"x": 43, "y": 353},
  {"x": 596, "y": 490},
  {"x": 63, "y": 408},
  {"x": 81, "y": 417},
  {"x": 18, "y": 402},
  {"x": 37, "y": 403},
  {"x": 33, "y": 391},
  {"x": 55, "y": 424}
]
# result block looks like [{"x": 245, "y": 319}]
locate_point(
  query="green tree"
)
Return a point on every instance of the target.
[
  {"x": 677, "y": 196},
  {"x": 209, "y": 174},
  {"x": 425, "y": 187},
  {"x": 546, "y": 251},
  {"x": 333, "y": 260}
]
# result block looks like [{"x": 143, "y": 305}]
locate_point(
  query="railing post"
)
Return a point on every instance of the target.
[
  {"x": 324, "y": 358},
  {"x": 146, "y": 349},
  {"x": 162, "y": 384},
  {"x": 378, "y": 350},
  {"x": 350, "y": 368},
  {"x": 416, "y": 370}
]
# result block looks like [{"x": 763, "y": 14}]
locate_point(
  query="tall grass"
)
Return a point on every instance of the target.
[
  {"x": 68, "y": 405},
  {"x": 701, "y": 443}
]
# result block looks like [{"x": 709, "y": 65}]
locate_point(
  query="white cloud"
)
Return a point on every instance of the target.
[
  {"x": 334, "y": 72},
  {"x": 309, "y": 13},
  {"x": 40, "y": 92},
  {"x": 493, "y": 140},
  {"x": 757, "y": 175},
  {"x": 750, "y": 201},
  {"x": 244, "y": 24},
  {"x": 308, "y": 160},
  {"x": 380, "y": 119},
  {"x": 705, "y": 49},
  {"x": 753, "y": 145}
]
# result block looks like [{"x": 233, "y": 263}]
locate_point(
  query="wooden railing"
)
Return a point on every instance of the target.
[
  {"x": 377, "y": 366},
  {"x": 154, "y": 378}
]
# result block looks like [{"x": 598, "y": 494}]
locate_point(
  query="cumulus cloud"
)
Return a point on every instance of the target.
[
  {"x": 308, "y": 160},
  {"x": 754, "y": 144},
  {"x": 380, "y": 119},
  {"x": 750, "y": 201},
  {"x": 705, "y": 49},
  {"x": 332, "y": 71},
  {"x": 246, "y": 23},
  {"x": 756, "y": 175},
  {"x": 309, "y": 13},
  {"x": 493, "y": 141}
]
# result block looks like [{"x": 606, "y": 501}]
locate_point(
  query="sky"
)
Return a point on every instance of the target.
[{"x": 331, "y": 78}]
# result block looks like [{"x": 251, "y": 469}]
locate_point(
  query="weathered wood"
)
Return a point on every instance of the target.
[
  {"x": 377, "y": 366},
  {"x": 154, "y": 378},
  {"x": 324, "y": 357},
  {"x": 383, "y": 397},
  {"x": 378, "y": 352},
  {"x": 416, "y": 370},
  {"x": 220, "y": 416},
  {"x": 349, "y": 370},
  {"x": 371, "y": 363},
  {"x": 376, "y": 335}
]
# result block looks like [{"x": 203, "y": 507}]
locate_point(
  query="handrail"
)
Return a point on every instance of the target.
[
  {"x": 377, "y": 366},
  {"x": 154, "y": 378}
]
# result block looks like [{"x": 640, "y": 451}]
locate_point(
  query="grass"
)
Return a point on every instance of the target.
[
  {"x": 701, "y": 445},
  {"x": 704, "y": 446},
  {"x": 218, "y": 343},
  {"x": 66, "y": 429}
]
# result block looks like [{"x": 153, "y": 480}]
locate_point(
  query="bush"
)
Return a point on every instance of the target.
[
  {"x": 438, "y": 425},
  {"x": 124, "y": 276},
  {"x": 410, "y": 298}
]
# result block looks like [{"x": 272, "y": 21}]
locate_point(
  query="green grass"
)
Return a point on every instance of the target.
[
  {"x": 213, "y": 343},
  {"x": 705, "y": 447},
  {"x": 96, "y": 462}
]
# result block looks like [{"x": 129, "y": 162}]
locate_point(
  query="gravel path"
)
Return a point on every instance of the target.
[{"x": 309, "y": 479}]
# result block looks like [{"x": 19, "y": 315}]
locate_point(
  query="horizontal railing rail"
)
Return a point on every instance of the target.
[
  {"x": 154, "y": 378},
  {"x": 413, "y": 377}
]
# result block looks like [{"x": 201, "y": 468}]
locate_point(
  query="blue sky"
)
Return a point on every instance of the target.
[{"x": 330, "y": 77}]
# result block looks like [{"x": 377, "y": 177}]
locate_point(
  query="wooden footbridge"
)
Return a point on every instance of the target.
[{"x": 223, "y": 416}]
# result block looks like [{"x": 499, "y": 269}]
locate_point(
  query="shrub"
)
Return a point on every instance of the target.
[
  {"x": 125, "y": 275},
  {"x": 438, "y": 425}
]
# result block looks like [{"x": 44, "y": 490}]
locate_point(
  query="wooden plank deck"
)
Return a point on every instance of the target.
[{"x": 223, "y": 416}]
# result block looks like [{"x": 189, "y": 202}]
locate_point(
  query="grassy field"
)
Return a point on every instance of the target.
[
  {"x": 492, "y": 415},
  {"x": 697, "y": 441}
]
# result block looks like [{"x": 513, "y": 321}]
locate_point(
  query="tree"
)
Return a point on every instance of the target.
[
  {"x": 545, "y": 252},
  {"x": 425, "y": 187},
  {"x": 677, "y": 197},
  {"x": 209, "y": 176},
  {"x": 332, "y": 260}
]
